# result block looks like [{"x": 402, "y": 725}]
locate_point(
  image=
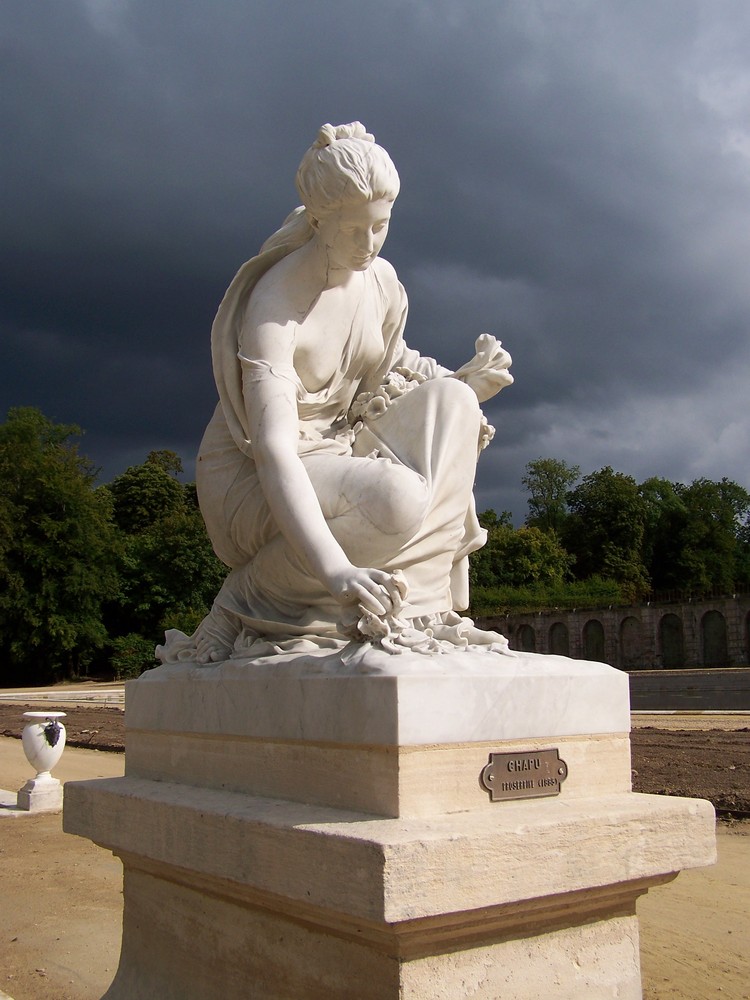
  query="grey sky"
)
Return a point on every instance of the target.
[{"x": 575, "y": 179}]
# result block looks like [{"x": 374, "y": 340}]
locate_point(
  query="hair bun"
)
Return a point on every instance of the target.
[{"x": 328, "y": 134}]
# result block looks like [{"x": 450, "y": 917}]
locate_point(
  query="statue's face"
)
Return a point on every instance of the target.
[{"x": 354, "y": 234}]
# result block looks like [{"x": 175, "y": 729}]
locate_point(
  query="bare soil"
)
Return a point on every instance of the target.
[
  {"x": 61, "y": 902},
  {"x": 709, "y": 764}
]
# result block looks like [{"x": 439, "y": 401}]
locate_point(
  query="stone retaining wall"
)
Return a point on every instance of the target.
[{"x": 708, "y": 633}]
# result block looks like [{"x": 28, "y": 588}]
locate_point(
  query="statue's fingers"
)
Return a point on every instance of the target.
[
  {"x": 370, "y": 602},
  {"x": 392, "y": 589},
  {"x": 387, "y": 587}
]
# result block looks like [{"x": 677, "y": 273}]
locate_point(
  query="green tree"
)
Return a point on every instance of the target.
[
  {"x": 530, "y": 556},
  {"x": 743, "y": 555},
  {"x": 491, "y": 519},
  {"x": 517, "y": 558},
  {"x": 170, "y": 461},
  {"x": 696, "y": 537},
  {"x": 708, "y": 548},
  {"x": 664, "y": 517},
  {"x": 169, "y": 574},
  {"x": 548, "y": 481},
  {"x": 605, "y": 529},
  {"x": 131, "y": 655},
  {"x": 664, "y": 524},
  {"x": 483, "y": 561},
  {"x": 145, "y": 494},
  {"x": 56, "y": 551}
]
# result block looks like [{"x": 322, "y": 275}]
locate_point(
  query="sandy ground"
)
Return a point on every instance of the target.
[
  {"x": 695, "y": 721},
  {"x": 695, "y": 931},
  {"x": 60, "y": 896},
  {"x": 61, "y": 907}
]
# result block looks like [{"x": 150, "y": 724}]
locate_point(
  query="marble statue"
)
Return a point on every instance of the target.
[{"x": 336, "y": 474}]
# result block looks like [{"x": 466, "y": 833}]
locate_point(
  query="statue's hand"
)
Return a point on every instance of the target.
[
  {"x": 487, "y": 372},
  {"x": 372, "y": 589}
]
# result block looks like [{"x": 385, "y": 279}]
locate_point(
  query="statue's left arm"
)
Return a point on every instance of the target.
[{"x": 486, "y": 373}]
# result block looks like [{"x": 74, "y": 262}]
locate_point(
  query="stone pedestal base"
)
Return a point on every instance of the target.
[
  {"x": 264, "y": 956},
  {"x": 271, "y": 854},
  {"x": 41, "y": 794},
  {"x": 230, "y": 896}
]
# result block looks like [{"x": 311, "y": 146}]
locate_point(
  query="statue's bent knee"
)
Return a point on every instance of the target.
[
  {"x": 455, "y": 395},
  {"x": 399, "y": 503}
]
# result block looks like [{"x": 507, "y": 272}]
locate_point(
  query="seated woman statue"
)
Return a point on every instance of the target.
[{"x": 336, "y": 475}]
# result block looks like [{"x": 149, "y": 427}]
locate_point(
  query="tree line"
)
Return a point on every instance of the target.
[
  {"x": 605, "y": 538},
  {"x": 92, "y": 575}
]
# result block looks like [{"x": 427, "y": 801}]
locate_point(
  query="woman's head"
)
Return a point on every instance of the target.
[{"x": 343, "y": 166}]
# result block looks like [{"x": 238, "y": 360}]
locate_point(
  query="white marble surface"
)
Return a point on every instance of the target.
[
  {"x": 405, "y": 700},
  {"x": 41, "y": 794}
]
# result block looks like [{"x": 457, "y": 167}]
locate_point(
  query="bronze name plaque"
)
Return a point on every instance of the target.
[{"x": 527, "y": 774}]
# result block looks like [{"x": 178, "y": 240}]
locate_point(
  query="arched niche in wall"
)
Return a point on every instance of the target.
[
  {"x": 559, "y": 639},
  {"x": 526, "y": 639},
  {"x": 593, "y": 640},
  {"x": 714, "y": 640},
  {"x": 672, "y": 642},
  {"x": 631, "y": 644},
  {"x": 502, "y": 627}
]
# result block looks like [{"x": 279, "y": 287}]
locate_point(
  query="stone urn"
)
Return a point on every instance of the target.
[{"x": 43, "y": 741}]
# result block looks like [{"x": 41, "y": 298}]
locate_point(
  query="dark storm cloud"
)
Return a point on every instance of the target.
[{"x": 575, "y": 179}]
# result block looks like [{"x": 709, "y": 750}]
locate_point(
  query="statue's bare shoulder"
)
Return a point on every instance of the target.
[
  {"x": 388, "y": 278},
  {"x": 282, "y": 295}
]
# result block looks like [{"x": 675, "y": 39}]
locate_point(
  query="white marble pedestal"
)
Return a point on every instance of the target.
[
  {"x": 41, "y": 794},
  {"x": 314, "y": 830}
]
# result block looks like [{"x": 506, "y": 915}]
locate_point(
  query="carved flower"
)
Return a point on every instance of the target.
[
  {"x": 486, "y": 433},
  {"x": 373, "y": 404}
]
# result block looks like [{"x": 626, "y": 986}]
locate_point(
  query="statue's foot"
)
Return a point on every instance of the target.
[
  {"x": 215, "y": 636},
  {"x": 210, "y": 650}
]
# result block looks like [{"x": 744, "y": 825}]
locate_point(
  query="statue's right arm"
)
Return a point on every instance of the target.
[{"x": 271, "y": 408}]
